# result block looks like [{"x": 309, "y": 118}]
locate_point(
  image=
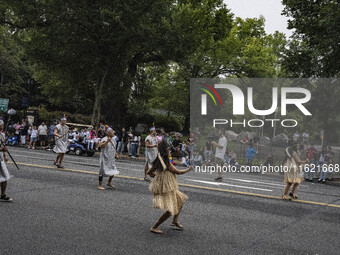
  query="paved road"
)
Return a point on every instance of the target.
[{"x": 62, "y": 212}]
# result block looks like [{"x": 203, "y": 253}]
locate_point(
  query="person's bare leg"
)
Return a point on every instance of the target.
[
  {"x": 285, "y": 194},
  {"x": 175, "y": 219},
  {"x": 100, "y": 185},
  {"x": 61, "y": 158},
  {"x": 146, "y": 169},
  {"x": 294, "y": 188},
  {"x": 3, "y": 188},
  {"x": 56, "y": 161},
  {"x": 163, "y": 218},
  {"x": 109, "y": 182}
]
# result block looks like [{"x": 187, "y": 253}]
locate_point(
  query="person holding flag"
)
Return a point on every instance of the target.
[
  {"x": 107, "y": 158},
  {"x": 61, "y": 141},
  {"x": 4, "y": 174}
]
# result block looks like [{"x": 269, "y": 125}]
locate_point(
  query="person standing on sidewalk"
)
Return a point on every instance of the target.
[
  {"x": 328, "y": 160},
  {"x": 293, "y": 174},
  {"x": 164, "y": 188},
  {"x": 42, "y": 132},
  {"x": 108, "y": 159},
  {"x": 151, "y": 151},
  {"x": 61, "y": 142},
  {"x": 4, "y": 174},
  {"x": 221, "y": 147}
]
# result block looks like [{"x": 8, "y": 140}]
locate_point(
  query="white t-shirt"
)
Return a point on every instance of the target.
[
  {"x": 34, "y": 133},
  {"x": 42, "y": 130},
  {"x": 220, "y": 152}
]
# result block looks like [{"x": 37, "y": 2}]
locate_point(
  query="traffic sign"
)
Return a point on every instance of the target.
[{"x": 4, "y": 104}]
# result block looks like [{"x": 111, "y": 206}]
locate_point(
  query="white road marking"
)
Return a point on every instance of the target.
[
  {"x": 251, "y": 181},
  {"x": 226, "y": 184}
]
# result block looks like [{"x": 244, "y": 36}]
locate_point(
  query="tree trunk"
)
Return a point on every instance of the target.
[{"x": 98, "y": 101}]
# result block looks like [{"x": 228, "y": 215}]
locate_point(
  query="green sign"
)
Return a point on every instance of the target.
[{"x": 3, "y": 104}]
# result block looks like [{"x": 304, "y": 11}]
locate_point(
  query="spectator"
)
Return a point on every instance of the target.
[
  {"x": 134, "y": 144},
  {"x": 191, "y": 145},
  {"x": 176, "y": 147},
  {"x": 296, "y": 136},
  {"x": 312, "y": 155},
  {"x": 328, "y": 160},
  {"x": 198, "y": 160},
  {"x": 33, "y": 138},
  {"x": 251, "y": 152},
  {"x": 23, "y": 133},
  {"x": 42, "y": 132},
  {"x": 51, "y": 131},
  {"x": 208, "y": 151},
  {"x": 122, "y": 141},
  {"x": 305, "y": 137}
]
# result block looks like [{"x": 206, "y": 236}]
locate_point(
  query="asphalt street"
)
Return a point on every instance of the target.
[{"x": 62, "y": 212}]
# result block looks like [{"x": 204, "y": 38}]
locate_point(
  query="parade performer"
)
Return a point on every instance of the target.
[
  {"x": 4, "y": 174},
  {"x": 61, "y": 142},
  {"x": 107, "y": 159},
  {"x": 151, "y": 145},
  {"x": 164, "y": 187},
  {"x": 293, "y": 174}
]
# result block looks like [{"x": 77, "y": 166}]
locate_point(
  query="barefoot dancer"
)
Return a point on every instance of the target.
[
  {"x": 61, "y": 142},
  {"x": 151, "y": 145},
  {"x": 164, "y": 187},
  {"x": 107, "y": 158},
  {"x": 4, "y": 174}
]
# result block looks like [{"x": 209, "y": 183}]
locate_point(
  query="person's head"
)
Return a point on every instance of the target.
[
  {"x": 177, "y": 138},
  {"x": 312, "y": 145},
  {"x": 220, "y": 133},
  {"x": 2, "y": 124},
  {"x": 329, "y": 148},
  {"x": 34, "y": 127},
  {"x": 123, "y": 129},
  {"x": 43, "y": 124},
  {"x": 153, "y": 131},
  {"x": 63, "y": 121},
  {"x": 109, "y": 132},
  {"x": 162, "y": 130}
]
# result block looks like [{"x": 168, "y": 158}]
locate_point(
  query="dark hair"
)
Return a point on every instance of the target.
[
  {"x": 291, "y": 149},
  {"x": 163, "y": 149}
]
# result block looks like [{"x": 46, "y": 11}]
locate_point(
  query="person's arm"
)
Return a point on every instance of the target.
[
  {"x": 174, "y": 170},
  {"x": 56, "y": 133},
  {"x": 298, "y": 160},
  {"x": 148, "y": 145},
  {"x": 103, "y": 144},
  {"x": 217, "y": 145},
  {"x": 151, "y": 172}
]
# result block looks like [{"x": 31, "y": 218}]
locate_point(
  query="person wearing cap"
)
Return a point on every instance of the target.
[
  {"x": 151, "y": 150},
  {"x": 107, "y": 158},
  {"x": 4, "y": 174},
  {"x": 61, "y": 142}
]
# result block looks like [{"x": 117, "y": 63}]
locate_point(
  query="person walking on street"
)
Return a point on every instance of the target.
[
  {"x": 221, "y": 148},
  {"x": 61, "y": 142},
  {"x": 108, "y": 159},
  {"x": 293, "y": 174},
  {"x": 151, "y": 150},
  {"x": 164, "y": 188},
  {"x": 4, "y": 174}
]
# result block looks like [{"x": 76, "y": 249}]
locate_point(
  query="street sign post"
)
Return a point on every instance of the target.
[{"x": 3, "y": 104}]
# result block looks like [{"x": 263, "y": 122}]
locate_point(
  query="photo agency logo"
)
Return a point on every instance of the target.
[{"x": 291, "y": 99}]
